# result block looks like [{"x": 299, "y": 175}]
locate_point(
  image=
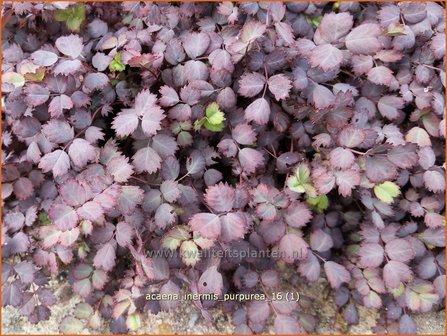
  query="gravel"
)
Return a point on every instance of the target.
[{"x": 186, "y": 319}]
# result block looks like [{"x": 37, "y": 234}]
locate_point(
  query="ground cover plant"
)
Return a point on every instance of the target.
[{"x": 141, "y": 141}]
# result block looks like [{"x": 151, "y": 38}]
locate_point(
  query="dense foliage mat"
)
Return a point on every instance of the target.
[{"x": 206, "y": 148}]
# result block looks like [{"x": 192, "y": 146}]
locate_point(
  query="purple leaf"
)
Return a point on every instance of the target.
[
  {"x": 379, "y": 169},
  {"x": 58, "y": 131},
  {"x": 73, "y": 193},
  {"x": 258, "y": 311},
  {"x": 152, "y": 114},
  {"x": 371, "y": 255},
  {"x": 195, "y": 163},
  {"x": 146, "y": 159},
  {"x": 341, "y": 158},
  {"x": 279, "y": 85},
  {"x": 101, "y": 61},
  {"x": 244, "y": 134},
  {"x": 105, "y": 257},
  {"x": 67, "y": 67},
  {"x": 196, "y": 44},
  {"x": 220, "y": 197},
  {"x": 394, "y": 272},
  {"x": 120, "y": 169},
  {"x": 23, "y": 188},
  {"x": 91, "y": 210},
  {"x": 233, "y": 227},
  {"x": 207, "y": 224},
  {"x": 124, "y": 234},
  {"x": 58, "y": 104},
  {"x": 250, "y": 159},
  {"x": 380, "y": 75},
  {"x": 336, "y": 274},
  {"x": 320, "y": 241},
  {"x": 164, "y": 145},
  {"x": 399, "y": 250},
  {"x": 438, "y": 45},
  {"x": 44, "y": 58},
  {"x": 389, "y": 14},
  {"x": 403, "y": 156},
  {"x": 346, "y": 181},
  {"x": 125, "y": 123},
  {"x": 252, "y": 30},
  {"x": 172, "y": 289},
  {"x": 63, "y": 216},
  {"x": 12, "y": 295},
  {"x": 25, "y": 270},
  {"x": 326, "y": 56},
  {"x": 322, "y": 97},
  {"x": 407, "y": 325},
  {"x": 297, "y": 214},
  {"x": 129, "y": 198},
  {"x": 292, "y": 247},
  {"x": 164, "y": 215},
  {"x": 334, "y": 26},
  {"x": 81, "y": 152},
  {"x": 251, "y": 84},
  {"x": 95, "y": 81},
  {"x": 70, "y": 45},
  {"x": 285, "y": 32},
  {"x": 36, "y": 95},
  {"x": 169, "y": 96},
  {"x": 434, "y": 181},
  {"x": 363, "y": 39},
  {"x": 210, "y": 282},
  {"x": 389, "y": 106},
  {"x": 258, "y": 111},
  {"x": 351, "y": 137},
  {"x": 170, "y": 190}
]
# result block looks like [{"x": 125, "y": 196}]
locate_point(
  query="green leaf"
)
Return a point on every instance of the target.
[
  {"x": 199, "y": 123},
  {"x": 38, "y": 76},
  {"x": 422, "y": 288},
  {"x": 413, "y": 300},
  {"x": 294, "y": 184},
  {"x": 72, "y": 16},
  {"x": 133, "y": 322},
  {"x": 79, "y": 10},
  {"x": 13, "y": 78},
  {"x": 214, "y": 127},
  {"x": 310, "y": 190},
  {"x": 174, "y": 237},
  {"x": 71, "y": 325},
  {"x": 300, "y": 182},
  {"x": 44, "y": 219},
  {"x": 386, "y": 191},
  {"x": 189, "y": 253},
  {"x": 314, "y": 21},
  {"x": 430, "y": 298},
  {"x": 95, "y": 321},
  {"x": 116, "y": 64},
  {"x": 319, "y": 203},
  {"x": 83, "y": 310},
  {"x": 74, "y": 23},
  {"x": 395, "y": 29},
  {"x": 302, "y": 173},
  {"x": 214, "y": 115},
  {"x": 61, "y": 15},
  {"x": 398, "y": 291}
]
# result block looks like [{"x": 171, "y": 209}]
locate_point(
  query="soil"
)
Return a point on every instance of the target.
[{"x": 187, "y": 320}]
